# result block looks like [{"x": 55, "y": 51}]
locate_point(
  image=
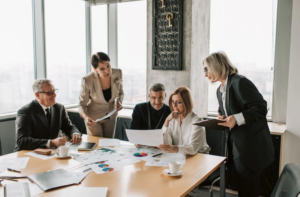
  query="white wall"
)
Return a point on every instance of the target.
[{"x": 292, "y": 148}]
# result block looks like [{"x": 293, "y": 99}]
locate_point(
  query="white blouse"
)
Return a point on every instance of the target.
[{"x": 189, "y": 138}]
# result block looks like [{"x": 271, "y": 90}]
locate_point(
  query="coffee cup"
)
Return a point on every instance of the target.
[
  {"x": 63, "y": 151},
  {"x": 174, "y": 166}
]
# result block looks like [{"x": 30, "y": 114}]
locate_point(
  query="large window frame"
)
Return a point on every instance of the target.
[
  {"x": 282, "y": 43},
  {"x": 39, "y": 42}
]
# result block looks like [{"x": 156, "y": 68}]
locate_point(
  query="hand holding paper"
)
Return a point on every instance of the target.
[{"x": 145, "y": 137}]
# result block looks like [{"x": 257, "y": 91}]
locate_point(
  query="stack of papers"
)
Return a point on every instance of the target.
[{"x": 85, "y": 191}]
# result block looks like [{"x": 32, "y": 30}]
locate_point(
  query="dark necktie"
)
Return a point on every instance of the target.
[{"x": 48, "y": 116}]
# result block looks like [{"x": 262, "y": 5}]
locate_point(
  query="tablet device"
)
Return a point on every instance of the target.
[{"x": 86, "y": 146}]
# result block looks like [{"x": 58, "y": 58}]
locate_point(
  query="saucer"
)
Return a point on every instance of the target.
[
  {"x": 62, "y": 157},
  {"x": 167, "y": 172}
]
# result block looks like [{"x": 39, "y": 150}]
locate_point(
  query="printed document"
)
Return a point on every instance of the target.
[{"x": 145, "y": 137}]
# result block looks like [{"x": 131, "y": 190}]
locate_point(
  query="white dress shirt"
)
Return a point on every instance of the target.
[
  {"x": 240, "y": 120},
  {"x": 189, "y": 138}
]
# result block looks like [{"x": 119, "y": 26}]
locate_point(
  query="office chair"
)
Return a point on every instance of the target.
[
  {"x": 216, "y": 140},
  {"x": 288, "y": 184}
]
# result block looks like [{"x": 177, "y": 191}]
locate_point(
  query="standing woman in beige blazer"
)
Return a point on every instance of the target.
[{"x": 99, "y": 89}]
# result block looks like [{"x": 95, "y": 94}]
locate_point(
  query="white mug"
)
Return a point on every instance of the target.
[
  {"x": 63, "y": 151},
  {"x": 174, "y": 166}
]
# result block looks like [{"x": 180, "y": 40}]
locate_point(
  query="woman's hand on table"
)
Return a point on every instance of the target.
[{"x": 168, "y": 148}]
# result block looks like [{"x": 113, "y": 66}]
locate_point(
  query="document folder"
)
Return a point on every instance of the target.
[
  {"x": 54, "y": 179},
  {"x": 213, "y": 124}
]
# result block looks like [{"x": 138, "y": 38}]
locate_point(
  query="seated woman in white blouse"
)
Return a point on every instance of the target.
[{"x": 180, "y": 136}]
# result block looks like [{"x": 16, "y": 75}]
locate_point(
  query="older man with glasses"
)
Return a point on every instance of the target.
[
  {"x": 39, "y": 122},
  {"x": 152, "y": 114}
]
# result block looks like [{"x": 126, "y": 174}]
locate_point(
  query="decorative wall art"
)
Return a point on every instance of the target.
[{"x": 167, "y": 34}]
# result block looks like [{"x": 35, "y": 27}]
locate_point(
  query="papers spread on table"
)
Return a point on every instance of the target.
[
  {"x": 109, "y": 142},
  {"x": 165, "y": 159},
  {"x": 43, "y": 157},
  {"x": 109, "y": 114},
  {"x": 54, "y": 179},
  {"x": 85, "y": 191},
  {"x": 145, "y": 137},
  {"x": 15, "y": 163},
  {"x": 80, "y": 175}
]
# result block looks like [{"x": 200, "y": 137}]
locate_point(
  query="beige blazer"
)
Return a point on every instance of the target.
[{"x": 91, "y": 98}]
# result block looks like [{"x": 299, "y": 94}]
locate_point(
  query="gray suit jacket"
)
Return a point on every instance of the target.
[
  {"x": 32, "y": 126},
  {"x": 91, "y": 98}
]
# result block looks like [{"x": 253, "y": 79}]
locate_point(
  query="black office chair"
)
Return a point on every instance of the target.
[
  {"x": 216, "y": 140},
  {"x": 288, "y": 184}
]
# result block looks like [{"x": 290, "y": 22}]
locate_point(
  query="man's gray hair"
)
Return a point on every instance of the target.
[
  {"x": 156, "y": 87},
  {"x": 37, "y": 85}
]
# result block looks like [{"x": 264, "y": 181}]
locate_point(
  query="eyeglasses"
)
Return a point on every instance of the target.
[
  {"x": 50, "y": 93},
  {"x": 205, "y": 70},
  {"x": 176, "y": 103}
]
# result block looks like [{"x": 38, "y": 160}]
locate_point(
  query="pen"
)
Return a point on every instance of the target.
[
  {"x": 157, "y": 155},
  {"x": 10, "y": 179},
  {"x": 13, "y": 170},
  {"x": 87, "y": 170}
]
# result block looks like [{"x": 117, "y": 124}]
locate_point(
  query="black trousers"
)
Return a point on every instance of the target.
[{"x": 248, "y": 181}]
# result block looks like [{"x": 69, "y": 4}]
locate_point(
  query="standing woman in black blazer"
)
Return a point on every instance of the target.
[{"x": 243, "y": 110}]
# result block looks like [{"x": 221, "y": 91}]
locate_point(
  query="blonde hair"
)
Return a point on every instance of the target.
[
  {"x": 186, "y": 98},
  {"x": 220, "y": 65}
]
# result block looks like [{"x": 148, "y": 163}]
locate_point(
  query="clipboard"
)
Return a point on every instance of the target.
[{"x": 213, "y": 124}]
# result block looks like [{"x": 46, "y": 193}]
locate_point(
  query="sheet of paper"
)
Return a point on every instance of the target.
[
  {"x": 16, "y": 163},
  {"x": 109, "y": 142},
  {"x": 43, "y": 157},
  {"x": 109, "y": 114},
  {"x": 105, "y": 168},
  {"x": 145, "y": 137},
  {"x": 85, "y": 191},
  {"x": 167, "y": 157},
  {"x": 3, "y": 167}
]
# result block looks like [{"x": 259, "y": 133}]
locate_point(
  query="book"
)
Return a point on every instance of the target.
[
  {"x": 213, "y": 124},
  {"x": 16, "y": 190},
  {"x": 85, "y": 146},
  {"x": 53, "y": 179}
]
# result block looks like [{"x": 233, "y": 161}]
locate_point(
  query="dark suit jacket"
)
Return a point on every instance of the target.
[
  {"x": 253, "y": 139},
  {"x": 140, "y": 118},
  {"x": 32, "y": 126}
]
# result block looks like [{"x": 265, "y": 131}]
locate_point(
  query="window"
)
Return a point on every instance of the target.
[
  {"x": 99, "y": 29},
  {"x": 17, "y": 59},
  {"x": 132, "y": 50},
  {"x": 245, "y": 31},
  {"x": 65, "y": 47}
]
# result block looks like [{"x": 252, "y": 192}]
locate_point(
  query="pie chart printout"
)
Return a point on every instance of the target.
[{"x": 140, "y": 154}]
